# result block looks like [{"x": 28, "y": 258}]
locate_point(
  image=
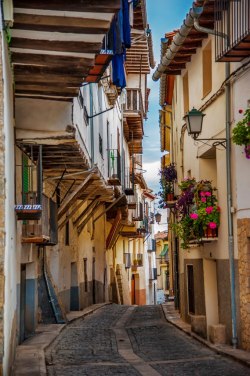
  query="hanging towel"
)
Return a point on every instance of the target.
[
  {"x": 118, "y": 72},
  {"x": 126, "y": 24}
]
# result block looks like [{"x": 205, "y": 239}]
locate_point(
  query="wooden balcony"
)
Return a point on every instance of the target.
[
  {"x": 134, "y": 114},
  {"x": 233, "y": 19},
  {"x": 43, "y": 231}
]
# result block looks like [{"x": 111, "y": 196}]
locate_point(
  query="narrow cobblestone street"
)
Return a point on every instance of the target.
[{"x": 130, "y": 340}]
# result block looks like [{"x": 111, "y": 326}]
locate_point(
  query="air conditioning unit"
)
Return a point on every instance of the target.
[{"x": 8, "y": 12}]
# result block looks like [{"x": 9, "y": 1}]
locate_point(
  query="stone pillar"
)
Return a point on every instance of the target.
[{"x": 243, "y": 227}]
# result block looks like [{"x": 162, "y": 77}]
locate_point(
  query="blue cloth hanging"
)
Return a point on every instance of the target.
[
  {"x": 118, "y": 73},
  {"x": 126, "y": 24}
]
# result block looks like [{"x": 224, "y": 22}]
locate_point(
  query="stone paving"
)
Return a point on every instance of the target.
[{"x": 130, "y": 341}]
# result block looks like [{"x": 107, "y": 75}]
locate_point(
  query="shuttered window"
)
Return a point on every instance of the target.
[
  {"x": 185, "y": 93},
  {"x": 207, "y": 69},
  {"x": 25, "y": 177}
]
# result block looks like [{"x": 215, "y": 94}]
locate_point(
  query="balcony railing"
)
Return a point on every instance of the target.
[
  {"x": 138, "y": 212},
  {"x": 232, "y": 17},
  {"x": 114, "y": 167},
  {"x": 134, "y": 102},
  {"x": 127, "y": 260},
  {"x": 45, "y": 230},
  {"x": 129, "y": 182},
  {"x": 151, "y": 245}
]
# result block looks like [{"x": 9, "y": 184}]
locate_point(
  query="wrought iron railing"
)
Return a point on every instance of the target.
[{"x": 232, "y": 18}]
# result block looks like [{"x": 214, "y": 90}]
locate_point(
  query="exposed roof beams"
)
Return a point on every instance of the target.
[
  {"x": 57, "y": 42},
  {"x": 105, "y": 6}
]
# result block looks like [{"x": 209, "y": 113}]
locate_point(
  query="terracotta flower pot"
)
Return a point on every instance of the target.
[
  {"x": 170, "y": 197},
  {"x": 211, "y": 232}
]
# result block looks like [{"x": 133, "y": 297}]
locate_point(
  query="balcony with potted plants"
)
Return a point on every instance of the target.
[
  {"x": 168, "y": 179},
  {"x": 197, "y": 213}
]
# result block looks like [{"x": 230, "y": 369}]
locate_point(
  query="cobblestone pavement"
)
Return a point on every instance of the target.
[{"x": 130, "y": 341}]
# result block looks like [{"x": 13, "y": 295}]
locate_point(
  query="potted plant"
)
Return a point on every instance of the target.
[
  {"x": 241, "y": 132},
  {"x": 168, "y": 178},
  {"x": 198, "y": 214}
]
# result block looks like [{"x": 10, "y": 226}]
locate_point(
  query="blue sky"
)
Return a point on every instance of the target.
[{"x": 163, "y": 16}]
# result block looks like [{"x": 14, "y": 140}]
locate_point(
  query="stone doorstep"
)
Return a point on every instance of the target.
[
  {"x": 30, "y": 357},
  {"x": 226, "y": 350}
]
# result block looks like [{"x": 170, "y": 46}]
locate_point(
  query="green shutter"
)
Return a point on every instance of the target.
[{"x": 26, "y": 177}]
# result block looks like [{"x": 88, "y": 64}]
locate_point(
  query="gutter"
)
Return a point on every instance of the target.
[{"x": 177, "y": 42}]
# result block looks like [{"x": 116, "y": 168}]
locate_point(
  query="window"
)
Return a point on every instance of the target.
[
  {"x": 100, "y": 145},
  {"x": 190, "y": 286},
  {"x": 207, "y": 69},
  {"x": 67, "y": 233},
  {"x": 80, "y": 99},
  {"x": 85, "y": 275},
  {"x": 185, "y": 93},
  {"x": 85, "y": 115}
]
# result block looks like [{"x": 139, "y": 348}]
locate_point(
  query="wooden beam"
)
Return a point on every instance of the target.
[
  {"x": 85, "y": 211},
  {"x": 67, "y": 94},
  {"x": 85, "y": 221},
  {"x": 49, "y": 79},
  {"x": 103, "y": 6},
  {"x": 71, "y": 88},
  {"x": 74, "y": 195},
  {"x": 52, "y": 60},
  {"x": 47, "y": 45},
  {"x": 109, "y": 207},
  {"x": 40, "y": 70},
  {"x": 64, "y": 24}
]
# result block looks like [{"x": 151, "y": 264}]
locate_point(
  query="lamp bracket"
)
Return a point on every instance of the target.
[{"x": 216, "y": 141}]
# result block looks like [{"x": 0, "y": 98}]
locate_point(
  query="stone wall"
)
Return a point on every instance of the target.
[{"x": 243, "y": 230}]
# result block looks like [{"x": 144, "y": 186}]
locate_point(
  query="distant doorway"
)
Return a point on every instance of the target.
[
  {"x": 74, "y": 290},
  {"x": 22, "y": 303},
  {"x": 190, "y": 282},
  {"x": 93, "y": 281}
]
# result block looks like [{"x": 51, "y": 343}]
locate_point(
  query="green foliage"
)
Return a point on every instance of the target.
[{"x": 241, "y": 132}]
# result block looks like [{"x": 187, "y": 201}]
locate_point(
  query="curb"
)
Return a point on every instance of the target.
[
  {"x": 30, "y": 355},
  {"x": 241, "y": 356}
]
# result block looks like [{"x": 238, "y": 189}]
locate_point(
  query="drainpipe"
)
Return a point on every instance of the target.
[
  {"x": 229, "y": 180},
  {"x": 177, "y": 42},
  {"x": 91, "y": 124}
]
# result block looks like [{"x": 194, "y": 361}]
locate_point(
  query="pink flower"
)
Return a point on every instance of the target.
[
  {"x": 209, "y": 209},
  {"x": 208, "y": 194},
  {"x": 194, "y": 216},
  {"x": 212, "y": 225},
  {"x": 203, "y": 199},
  {"x": 202, "y": 194}
]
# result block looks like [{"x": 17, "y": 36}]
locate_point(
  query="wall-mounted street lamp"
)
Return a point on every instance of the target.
[{"x": 194, "y": 121}]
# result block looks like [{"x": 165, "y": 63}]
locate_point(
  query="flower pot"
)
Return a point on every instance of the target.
[
  {"x": 211, "y": 232},
  {"x": 247, "y": 151},
  {"x": 170, "y": 197}
]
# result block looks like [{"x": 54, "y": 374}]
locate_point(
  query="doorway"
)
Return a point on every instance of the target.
[
  {"x": 190, "y": 283},
  {"x": 22, "y": 335},
  {"x": 74, "y": 290},
  {"x": 93, "y": 281}
]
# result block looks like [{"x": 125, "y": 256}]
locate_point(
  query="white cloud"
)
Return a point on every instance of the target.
[{"x": 151, "y": 175}]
